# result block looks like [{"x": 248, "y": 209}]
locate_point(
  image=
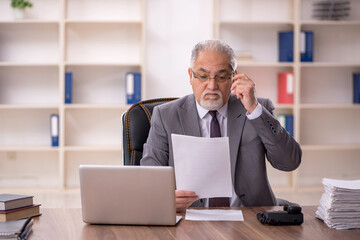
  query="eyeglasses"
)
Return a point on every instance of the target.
[{"x": 218, "y": 79}]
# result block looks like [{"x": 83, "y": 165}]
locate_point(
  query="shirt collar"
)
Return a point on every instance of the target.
[{"x": 202, "y": 111}]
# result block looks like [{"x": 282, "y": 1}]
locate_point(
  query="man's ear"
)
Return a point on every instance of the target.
[{"x": 190, "y": 75}]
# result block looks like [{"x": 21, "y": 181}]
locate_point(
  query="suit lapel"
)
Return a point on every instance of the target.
[
  {"x": 189, "y": 117},
  {"x": 235, "y": 126}
]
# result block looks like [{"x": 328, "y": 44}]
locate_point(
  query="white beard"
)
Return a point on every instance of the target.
[{"x": 211, "y": 104}]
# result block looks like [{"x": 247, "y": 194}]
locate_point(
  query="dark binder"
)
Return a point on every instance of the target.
[
  {"x": 286, "y": 46},
  {"x": 68, "y": 87},
  {"x": 54, "y": 130},
  {"x": 307, "y": 46},
  {"x": 287, "y": 122},
  {"x": 133, "y": 87},
  {"x": 356, "y": 87}
]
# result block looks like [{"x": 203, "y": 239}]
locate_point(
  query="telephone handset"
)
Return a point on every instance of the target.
[{"x": 291, "y": 215}]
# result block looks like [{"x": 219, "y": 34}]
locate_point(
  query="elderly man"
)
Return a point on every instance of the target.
[{"x": 224, "y": 103}]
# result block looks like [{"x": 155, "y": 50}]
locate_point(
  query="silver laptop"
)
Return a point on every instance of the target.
[{"x": 134, "y": 195}]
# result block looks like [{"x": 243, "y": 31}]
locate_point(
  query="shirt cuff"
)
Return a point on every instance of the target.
[{"x": 256, "y": 113}]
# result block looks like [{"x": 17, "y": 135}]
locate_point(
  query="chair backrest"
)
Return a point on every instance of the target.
[{"x": 136, "y": 125}]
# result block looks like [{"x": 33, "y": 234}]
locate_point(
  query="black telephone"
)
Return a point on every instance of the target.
[{"x": 291, "y": 215}]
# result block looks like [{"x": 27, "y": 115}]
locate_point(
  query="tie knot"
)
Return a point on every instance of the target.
[{"x": 213, "y": 113}]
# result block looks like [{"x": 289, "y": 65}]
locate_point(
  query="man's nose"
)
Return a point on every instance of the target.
[{"x": 212, "y": 84}]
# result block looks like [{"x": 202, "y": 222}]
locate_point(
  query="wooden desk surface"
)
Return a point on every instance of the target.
[{"x": 67, "y": 224}]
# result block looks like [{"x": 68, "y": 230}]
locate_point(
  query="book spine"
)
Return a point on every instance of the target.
[
  {"x": 289, "y": 124},
  {"x": 286, "y": 46},
  {"x": 306, "y": 46},
  {"x": 54, "y": 130},
  {"x": 356, "y": 87},
  {"x": 310, "y": 46},
  {"x": 133, "y": 88},
  {"x": 286, "y": 87},
  {"x": 68, "y": 87}
]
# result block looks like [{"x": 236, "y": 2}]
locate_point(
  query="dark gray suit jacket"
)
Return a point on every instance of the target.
[{"x": 250, "y": 141}]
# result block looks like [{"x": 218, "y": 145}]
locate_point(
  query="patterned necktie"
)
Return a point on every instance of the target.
[{"x": 215, "y": 132}]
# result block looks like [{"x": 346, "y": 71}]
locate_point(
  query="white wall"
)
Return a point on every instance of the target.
[{"x": 172, "y": 28}]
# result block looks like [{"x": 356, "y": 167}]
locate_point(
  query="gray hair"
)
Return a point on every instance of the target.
[{"x": 213, "y": 45}]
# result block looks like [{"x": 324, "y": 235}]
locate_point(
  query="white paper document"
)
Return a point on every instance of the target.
[
  {"x": 202, "y": 165},
  {"x": 342, "y": 184},
  {"x": 213, "y": 215}
]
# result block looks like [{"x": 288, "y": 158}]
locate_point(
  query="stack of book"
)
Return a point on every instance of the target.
[
  {"x": 340, "y": 204},
  {"x": 19, "y": 229},
  {"x": 14, "y": 207}
]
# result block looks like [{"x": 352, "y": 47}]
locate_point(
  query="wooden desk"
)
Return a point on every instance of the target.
[{"x": 67, "y": 224}]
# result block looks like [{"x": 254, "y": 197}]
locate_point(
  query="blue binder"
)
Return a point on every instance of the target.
[
  {"x": 68, "y": 87},
  {"x": 133, "y": 87},
  {"x": 54, "y": 130},
  {"x": 287, "y": 122},
  {"x": 356, "y": 87},
  {"x": 307, "y": 46},
  {"x": 286, "y": 46}
]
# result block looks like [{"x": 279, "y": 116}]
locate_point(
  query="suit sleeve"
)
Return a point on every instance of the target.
[
  {"x": 156, "y": 148},
  {"x": 282, "y": 151}
]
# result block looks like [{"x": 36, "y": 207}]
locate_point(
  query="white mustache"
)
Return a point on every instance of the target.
[
  {"x": 217, "y": 92},
  {"x": 212, "y": 102}
]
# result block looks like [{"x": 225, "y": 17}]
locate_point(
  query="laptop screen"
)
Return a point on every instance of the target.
[{"x": 135, "y": 195}]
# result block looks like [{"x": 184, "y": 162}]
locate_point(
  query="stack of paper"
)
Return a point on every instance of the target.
[{"x": 340, "y": 204}]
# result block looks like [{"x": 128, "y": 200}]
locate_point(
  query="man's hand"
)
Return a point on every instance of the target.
[
  {"x": 184, "y": 199},
  {"x": 244, "y": 88}
]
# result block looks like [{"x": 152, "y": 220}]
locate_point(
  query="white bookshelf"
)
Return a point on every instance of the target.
[
  {"x": 98, "y": 42},
  {"x": 325, "y": 119}
]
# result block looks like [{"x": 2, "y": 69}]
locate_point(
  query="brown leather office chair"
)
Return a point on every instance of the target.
[{"x": 136, "y": 125}]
